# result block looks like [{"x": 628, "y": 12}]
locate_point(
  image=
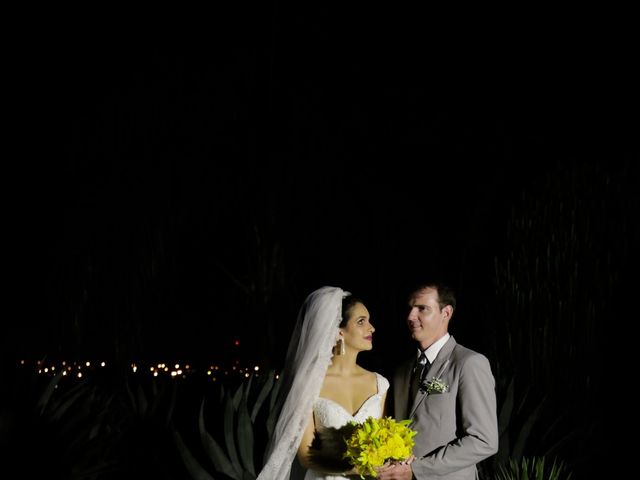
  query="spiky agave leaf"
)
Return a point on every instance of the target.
[
  {"x": 245, "y": 432},
  {"x": 193, "y": 466},
  {"x": 221, "y": 462},
  {"x": 264, "y": 393},
  {"x": 228, "y": 430}
]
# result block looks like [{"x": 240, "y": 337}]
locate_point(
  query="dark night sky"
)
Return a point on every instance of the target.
[{"x": 363, "y": 153}]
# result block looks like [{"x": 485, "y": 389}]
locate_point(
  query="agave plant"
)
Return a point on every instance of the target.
[
  {"x": 53, "y": 428},
  {"x": 145, "y": 416},
  {"x": 557, "y": 236},
  {"x": 238, "y": 450},
  {"x": 533, "y": 469}
]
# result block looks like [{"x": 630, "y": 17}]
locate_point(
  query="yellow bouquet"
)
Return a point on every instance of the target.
[{"x": 376, "y": 441}]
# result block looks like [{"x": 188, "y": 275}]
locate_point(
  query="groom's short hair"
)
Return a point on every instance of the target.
[{"x": 446, "y": 295}]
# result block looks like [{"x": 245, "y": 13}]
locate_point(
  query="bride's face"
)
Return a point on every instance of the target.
[{"x": 358, "y": 333}]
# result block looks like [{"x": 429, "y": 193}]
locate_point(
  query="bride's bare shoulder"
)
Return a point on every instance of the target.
[{"x": 368, "y": 374}]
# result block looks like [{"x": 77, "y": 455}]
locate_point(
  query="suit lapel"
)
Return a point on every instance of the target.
[{"x": 437, "y": 368}]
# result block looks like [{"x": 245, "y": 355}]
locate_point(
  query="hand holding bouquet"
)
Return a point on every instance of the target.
[
  {"x": 377, "y": 441},
  {"x": 365, "y": 445}
]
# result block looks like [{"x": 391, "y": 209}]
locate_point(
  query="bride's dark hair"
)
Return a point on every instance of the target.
[{"x": 348, "y": 302}]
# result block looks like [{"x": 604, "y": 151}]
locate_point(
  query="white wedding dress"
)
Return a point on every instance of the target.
[{"x": 331, "y": 414}]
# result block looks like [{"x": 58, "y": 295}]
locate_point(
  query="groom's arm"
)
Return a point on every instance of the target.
[{"x": 477, "y": 423}]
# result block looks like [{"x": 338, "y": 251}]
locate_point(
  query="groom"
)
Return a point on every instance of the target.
[{"x": 448, "y": 391}]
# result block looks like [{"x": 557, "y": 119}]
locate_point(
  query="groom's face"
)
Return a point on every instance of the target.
[{"x": 426, "y": 321}]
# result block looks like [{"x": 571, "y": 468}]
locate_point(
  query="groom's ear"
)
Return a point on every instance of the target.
[{"x": 448, "y": 311}]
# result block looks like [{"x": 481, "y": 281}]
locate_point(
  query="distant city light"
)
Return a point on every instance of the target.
[{"x": 212, "y": 372}]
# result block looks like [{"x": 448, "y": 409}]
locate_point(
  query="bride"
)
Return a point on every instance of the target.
[{"x": 323, "y": 386}]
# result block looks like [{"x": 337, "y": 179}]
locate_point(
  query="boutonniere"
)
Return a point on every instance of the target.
[{"x": 435, "y": 385}]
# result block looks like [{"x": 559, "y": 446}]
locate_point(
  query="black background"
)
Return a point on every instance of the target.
[
  {"x": 178, "y": 180},
  {"x": 166, "y": 154}
]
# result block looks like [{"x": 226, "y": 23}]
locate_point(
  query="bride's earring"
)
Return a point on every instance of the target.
[{"x": 341, "y": 346}]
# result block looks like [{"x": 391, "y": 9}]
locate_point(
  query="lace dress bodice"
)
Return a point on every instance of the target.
[{"x": 331, "y": 414}]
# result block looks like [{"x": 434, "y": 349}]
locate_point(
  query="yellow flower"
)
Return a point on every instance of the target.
[{"x": 376, "y": 441}]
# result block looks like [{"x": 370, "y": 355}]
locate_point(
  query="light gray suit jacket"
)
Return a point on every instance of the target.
[{"x": 458, "y": 428}]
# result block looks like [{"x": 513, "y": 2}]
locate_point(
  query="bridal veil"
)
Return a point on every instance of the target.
[{"x": 308, "y": 357}]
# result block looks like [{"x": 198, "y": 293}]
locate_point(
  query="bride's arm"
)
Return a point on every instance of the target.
[
  {"x": 384, "y": 404},
  {"x": 305, "y": 443},
  {"x": 303, "y": 451}
]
